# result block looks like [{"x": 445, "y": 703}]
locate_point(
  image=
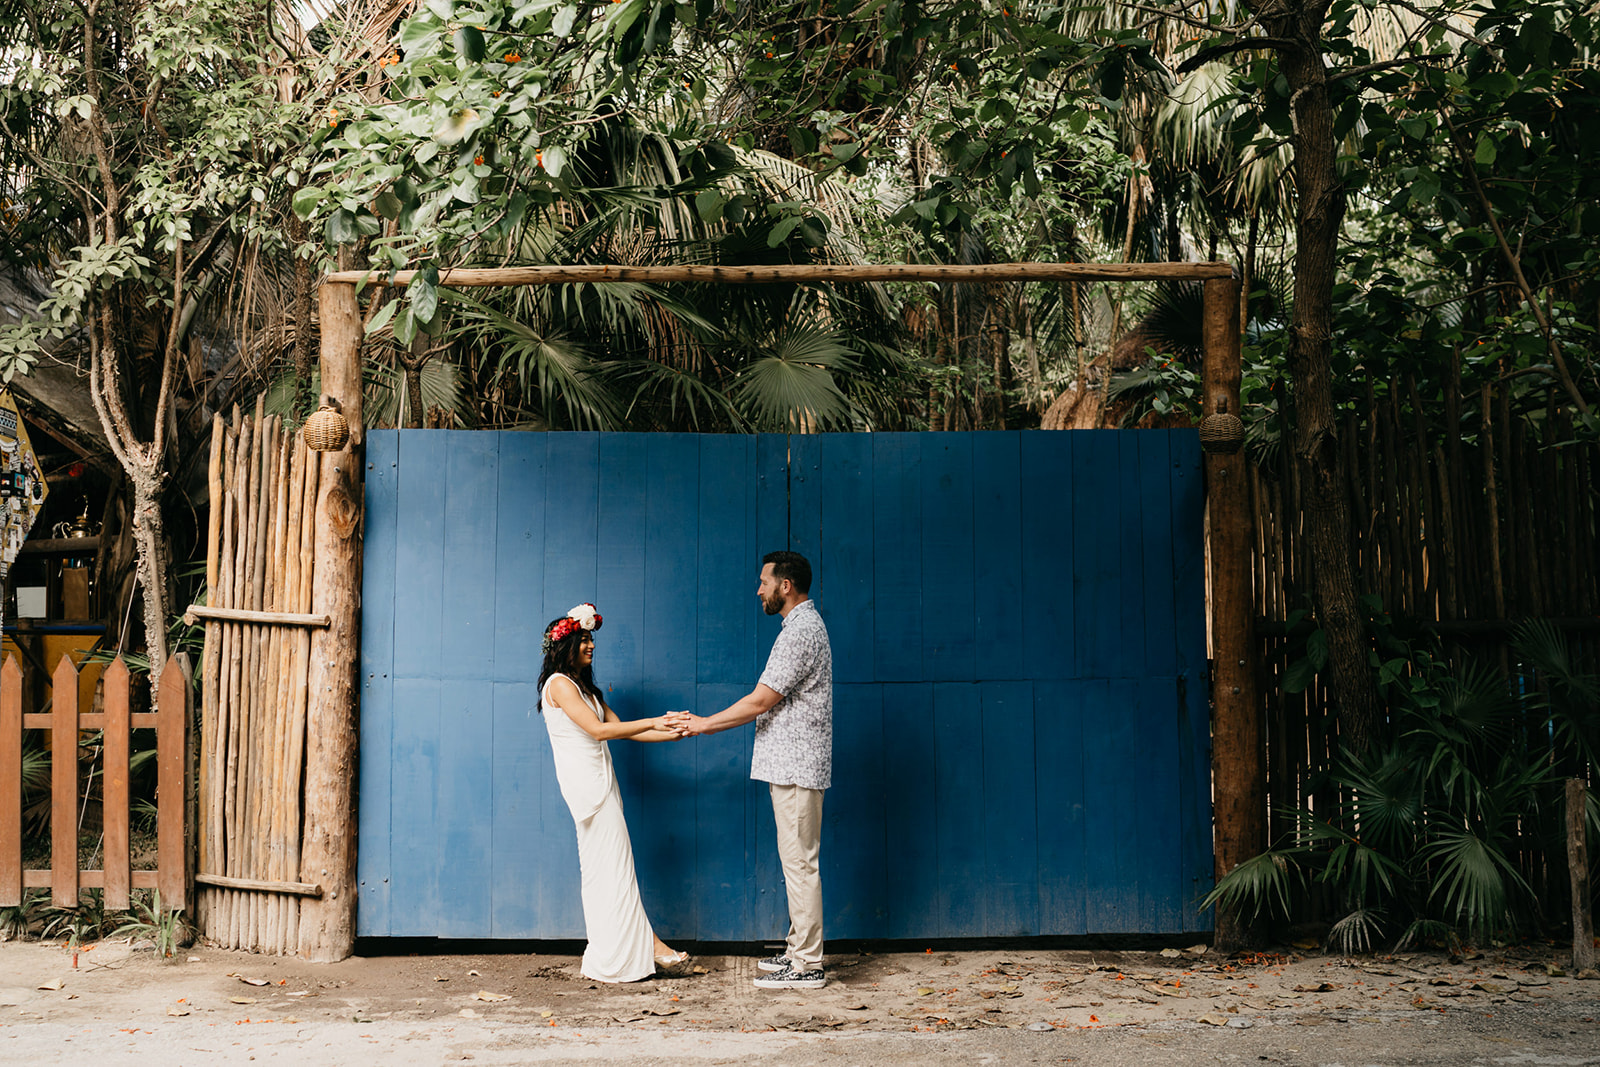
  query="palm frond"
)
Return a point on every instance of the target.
[
  {"x": 1260, "y": 883},
  {"x": 792, "y": 388},
  {"x": 1356, "y": 932},
  {"x": 1474, "y": 880},
  {"x": 686, "y": 399}
]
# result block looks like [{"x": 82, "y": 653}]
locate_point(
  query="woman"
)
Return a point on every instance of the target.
[{"x": 622, "y": 945}]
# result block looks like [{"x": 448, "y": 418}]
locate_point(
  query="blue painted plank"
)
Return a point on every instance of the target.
[
  {"x": 671, "y": 581},
  {"x": 897, "y": 618},
  {"x": 807, "y": 485},
  {"x": 619, "y": 567},
  {"x": 377, "y": 684},
  {"x": 1045, "y": 639},
  {"x": 465, "y": 790},
  {"x": 911, "y": 839},
  {"x": 1128, "y": 636},
  {"x": 997, "y": 553},
  {"x": 1010, "y": 837},
  {"x": 724, "y": 856},
  {"x": 1161, "y": 861},
  {"x": 571, "y": 522},
  {"x": 660, "y": 798},
  {"x": 1188, "y": 551},
  {"x": 958, "y": 808},
  {"x": 521, "y": 761},
  {"x": 519, "y": 553},
  {"x": 472, "y": 482},
  {"x": 948, "y": 629},
  {"x": 420, "y": 557},
  {"x": 415, "y": 899},
  {"x": 727, "y": 562},
  {"x": 1112, "y": 809},
  {"x": 1194, "y": 763},
  {"x": 855, "y": 864},
  {"x": 1059, "y": 754},
  {"x": 844, "y": 558},
  {"x": 1097, "y": 583},
  {"x": 1156, "y": 616}
]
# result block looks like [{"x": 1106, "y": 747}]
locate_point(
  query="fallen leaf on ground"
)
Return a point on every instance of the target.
[
  {"x": 698, "y": 970},
  {"x": 493, "y": 998},
  {"x": 660, "y": 1011},
  {"x": 1040, "y": 1027},
  {"x": 177, "y": 1012},
  {"x": 251, "y": 981},
  {"x": 924, "y": 991},
  {"x": 1315, "y": 987},
  {"x": 440, "y": 978},
  {"x": 1170, "y": 953},
  {"x": 855, "y": 1007},
  {"x": 300, "y": 993},
  {"x": 54, "y": 983},
  {"x": 473, "y": 974},
  {"x": 1213, "y": 1019},
  {"x": 241, "y": 1000},
  {"x": 468, "y": 1013}
]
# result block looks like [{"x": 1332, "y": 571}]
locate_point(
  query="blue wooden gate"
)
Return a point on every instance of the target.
[{"x": 1020, "y": 706}]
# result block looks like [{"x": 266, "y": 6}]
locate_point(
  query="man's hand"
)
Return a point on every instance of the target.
[{"x": 686, "y": 723}]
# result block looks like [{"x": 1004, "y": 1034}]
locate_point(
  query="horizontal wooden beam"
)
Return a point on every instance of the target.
[
  {"x": 60, "y": 546},
  {"x": 284, "y": 618},
  {"x": 88, "y": 879},
  {"x": 299, "y": 889},
  {"x": 89, "y": 720},
  {"x": 804, "y": 272}
]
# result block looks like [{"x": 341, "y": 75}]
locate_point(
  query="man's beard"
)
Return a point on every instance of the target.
[{"x": 773, "y": 605}]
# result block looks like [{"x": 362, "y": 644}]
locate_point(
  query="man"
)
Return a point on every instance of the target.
[{"x": 792, "y": 707}]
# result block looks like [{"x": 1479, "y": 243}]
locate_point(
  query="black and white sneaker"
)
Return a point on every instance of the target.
[
  {"x": 789, "y": 978},
  {"x": 773, "y": 964}
]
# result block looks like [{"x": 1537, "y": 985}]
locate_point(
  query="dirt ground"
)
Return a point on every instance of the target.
[{"x": 215, "y": 1006}]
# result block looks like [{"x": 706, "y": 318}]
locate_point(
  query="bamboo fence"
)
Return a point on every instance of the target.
[
  {"x": 263, "y": 486},
  {"x": 1463, "y": 525}
]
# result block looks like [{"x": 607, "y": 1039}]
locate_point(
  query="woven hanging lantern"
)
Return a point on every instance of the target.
[
  {"x": 1221, "y": 432},
  {"x": 326, "y": 430}
]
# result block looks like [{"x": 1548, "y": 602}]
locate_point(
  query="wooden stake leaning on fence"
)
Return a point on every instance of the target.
[
  {"x": 208, "y": 664},
  {"x": 118, "y": 876},
  {"x": 1578, "y": 866},
  {"x": 10, "y": 783}
]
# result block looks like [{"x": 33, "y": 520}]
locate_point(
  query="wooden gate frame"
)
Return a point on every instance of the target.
[{"x": 329, "y": 852}]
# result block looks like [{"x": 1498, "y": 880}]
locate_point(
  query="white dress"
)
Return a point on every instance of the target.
[{"x": 621, "y": 941}]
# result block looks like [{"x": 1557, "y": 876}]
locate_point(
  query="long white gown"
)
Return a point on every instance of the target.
[{"x": 621, "y": 941}]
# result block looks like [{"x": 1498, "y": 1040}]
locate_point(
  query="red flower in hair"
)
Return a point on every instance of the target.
[{"x": 563, "y": 628}]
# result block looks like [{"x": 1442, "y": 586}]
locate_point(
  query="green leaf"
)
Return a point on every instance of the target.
[
  {"x": 341, "y": 227},
  {"x": 387, "y": 204},
  {"x": 381, "y": 319},
  {"x": 470, "y": 44},
  {"x": 709, "y": 205},
  {"x": 780, "y": 233},
  {"x": 562, "y": 24},
  {"x": 1486, "y": 152},
  {"x": 423, "y": 293},
  {"x": 306, "y": 200}
]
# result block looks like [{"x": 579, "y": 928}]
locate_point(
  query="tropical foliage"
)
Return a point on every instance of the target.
[{"x": 1432, "y": 837}]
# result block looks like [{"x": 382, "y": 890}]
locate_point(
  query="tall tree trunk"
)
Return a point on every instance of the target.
[
  {"x": 1320, "y": 207},
  {"x": 154, "y": 566}
]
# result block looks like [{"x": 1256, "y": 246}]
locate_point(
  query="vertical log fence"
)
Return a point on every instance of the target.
[
  {"x": 116, "y": 877},
  {"x": 253, "y": 695}
]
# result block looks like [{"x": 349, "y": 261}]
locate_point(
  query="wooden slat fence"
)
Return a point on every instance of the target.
[
  {"x": 253, "y": 696},
  {"x": 116, "y": 877},
  {"x": 1462, "y": 526}
]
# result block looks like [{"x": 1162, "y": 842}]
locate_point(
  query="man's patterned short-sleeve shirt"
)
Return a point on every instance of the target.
[{"x": 794, "y": 739}]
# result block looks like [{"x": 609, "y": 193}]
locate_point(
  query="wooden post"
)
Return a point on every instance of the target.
[
  {"x": 1237, "y": 763},
  {"x": 64, "y": 785},
  {"x": 1578, "y": 865},
  {"x": 328, "y": 851},
  {"x": 172, "y": 795},
  {"x": 115, "y": 785},
  {"x": 10, "y": 783}
]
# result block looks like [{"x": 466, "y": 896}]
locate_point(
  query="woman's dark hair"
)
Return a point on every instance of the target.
[{"x": 563, "y": 659}]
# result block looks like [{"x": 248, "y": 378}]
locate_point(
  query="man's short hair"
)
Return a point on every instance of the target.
[{"x": 790, "y": 565}]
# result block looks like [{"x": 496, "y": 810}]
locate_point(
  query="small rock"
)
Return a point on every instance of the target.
[
  {"x": 1241, "y": 1024},
  {"x": 1040, "y": 1028},
  {"x": 1170, "y": 953},
  {"x": 1198, "y": 950}
]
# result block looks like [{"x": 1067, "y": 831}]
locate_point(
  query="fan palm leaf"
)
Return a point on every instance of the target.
[{"x": 791, "y": 388}]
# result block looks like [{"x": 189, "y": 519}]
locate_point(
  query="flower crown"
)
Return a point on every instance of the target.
[{"x": 582, "y": 617}]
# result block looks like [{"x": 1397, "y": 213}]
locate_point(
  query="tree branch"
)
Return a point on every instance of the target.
[
  {"x": 1243, "y": 44},
  {"x": 1515, "y": 262},
  {"x": 1369, "y": 68}
]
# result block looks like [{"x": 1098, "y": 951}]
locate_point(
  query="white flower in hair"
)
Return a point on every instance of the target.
[{"x": 586, "y": 616}]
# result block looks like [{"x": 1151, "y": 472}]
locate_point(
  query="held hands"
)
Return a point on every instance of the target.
[{"x": 682, "y": 723}]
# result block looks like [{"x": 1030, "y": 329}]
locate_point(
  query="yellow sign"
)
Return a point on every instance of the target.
[{"x": 22, "y": 488}]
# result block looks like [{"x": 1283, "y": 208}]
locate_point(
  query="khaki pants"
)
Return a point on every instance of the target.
[{"x": 798, "y": 812}]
